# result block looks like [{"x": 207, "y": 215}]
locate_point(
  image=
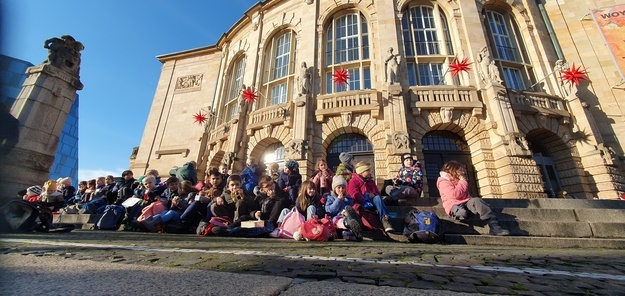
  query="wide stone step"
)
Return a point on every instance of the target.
[
  {"x": 535, "y": 242},
  {"x": 539, "y": 203}
]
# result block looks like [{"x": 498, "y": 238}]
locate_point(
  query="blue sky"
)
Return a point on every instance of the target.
[{"x": 119, "y": 67}]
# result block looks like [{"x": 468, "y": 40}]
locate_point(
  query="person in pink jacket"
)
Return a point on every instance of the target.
[
  {"x": 363, "y": 189},
  {"x": 454, "y": 189}
]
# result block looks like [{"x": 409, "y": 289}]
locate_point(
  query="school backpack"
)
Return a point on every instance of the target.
[
  {"x": 291, "y": 224},
  {"x": 111, "y": 219},
  {"x": 422, "y": 227},
  {"x": 318, "y": 229}
]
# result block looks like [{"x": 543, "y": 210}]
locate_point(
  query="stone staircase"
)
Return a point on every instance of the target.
[
  {"x": 558, "y": 223},
  {"x": 534, "y": 223}
]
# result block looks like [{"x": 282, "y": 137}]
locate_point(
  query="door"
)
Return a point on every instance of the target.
[
  {"x": 440, "y": 147},
  {"x": 356, "y": 144}
]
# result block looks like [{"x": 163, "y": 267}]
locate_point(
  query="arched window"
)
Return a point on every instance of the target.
[
  {"x": 427, "y": 44},
  {"x": 509, "y": 52},
  {"x": 356, "y": 144},
  {"x": 347, "y": 47},
  {"x": 235, "y": 83},
  {"x": 278, "y": 74}
]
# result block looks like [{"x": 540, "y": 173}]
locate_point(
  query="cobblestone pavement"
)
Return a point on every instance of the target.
[{"x": 458, "y": 268}]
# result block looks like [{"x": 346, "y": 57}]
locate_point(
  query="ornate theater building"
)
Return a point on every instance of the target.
[{"x": 529, "y": 94}]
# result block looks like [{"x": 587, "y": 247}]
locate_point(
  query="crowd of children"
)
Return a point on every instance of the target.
[{"x": 350, "y": 197}]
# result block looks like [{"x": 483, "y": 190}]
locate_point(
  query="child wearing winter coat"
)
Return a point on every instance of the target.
[
  {"x": 346, "y": 168},
  {"x": 408, "y": 183},
  {"x": 339, "y": 207},
  {"x": 290, "y": 180},
  {"x": 249, "y": 175},
  {"x": 269, "y": 201},
  {"x": 32, "y": 193},
  {"x": 308, "y": 203},
  {"x": 322, "y": 177},
  {"x": 454, "y": 190}
]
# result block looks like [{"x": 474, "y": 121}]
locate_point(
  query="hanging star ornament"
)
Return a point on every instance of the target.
[
  {"x": 249, "y": 95},
  {"x": 573, "y": 75},
  {"x": 340, "y": 76},
  {"x": 200, "y": 117},
  {"x": 459, "y": 66}
]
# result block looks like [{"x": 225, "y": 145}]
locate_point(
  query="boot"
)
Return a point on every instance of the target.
[
  {"x": 496, "y": 229},
  {"x": 353, "y": 222},
  {"x": 151, "y": 224}
]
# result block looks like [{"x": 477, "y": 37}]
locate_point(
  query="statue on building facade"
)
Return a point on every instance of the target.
[
  {"x": 304, "y": 80},
  {"x": 64, "y": 53},
  {"x": 488, "y": 70},
  {"x": 392, "y": 67}
]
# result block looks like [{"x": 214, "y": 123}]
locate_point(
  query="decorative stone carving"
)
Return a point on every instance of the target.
[
  {"x": 392, "y": 67},
  {"x": 400, "y": 140},
  {"x": 64, "y": 53},
  {"x": 298, "y": 148},
  {"x": 210, "y": 118},
  {"x": 256, "y": 19},
  {"x": 487, "y": 69},
  {"x": 517, "y": 145},
  {"x": 347, "y": 118},
  {"x": 446, "y": 114},
  {"x": 309, "y": 1},
  {"x": 304, "y": 80},
  {"x": 268, "y": 129},
  {"x": 189, "y": 81},
  {"x": 608, "y": 154}
]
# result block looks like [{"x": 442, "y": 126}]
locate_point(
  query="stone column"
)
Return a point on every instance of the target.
[{"x": 41, "y": 108}]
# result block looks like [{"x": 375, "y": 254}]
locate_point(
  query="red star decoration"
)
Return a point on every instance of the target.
[
  {"x": 200, "y": 117},
  {"x": 249, "y": 95},
  {"x": 573, "y": 75},
  {"x": 340, "y": 76},
  {"x": 458, "y": 66}
]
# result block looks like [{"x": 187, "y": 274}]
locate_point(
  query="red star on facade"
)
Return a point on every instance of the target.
[
  {"x": 249, "y": 95},
  {"x": 340, "y": 76},
  {"x": 200, "y": 117},
  {"x": 573, "y": 75},
  {"x": 459, "y": 66}
]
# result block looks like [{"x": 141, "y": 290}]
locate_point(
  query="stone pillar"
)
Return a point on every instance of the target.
[{"x": 41, "y": 108}]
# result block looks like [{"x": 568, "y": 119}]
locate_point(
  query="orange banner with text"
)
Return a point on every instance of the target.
[{"x": 611, "y": 22}]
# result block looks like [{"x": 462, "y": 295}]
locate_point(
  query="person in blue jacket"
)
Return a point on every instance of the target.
[{"x": 290, "y": 180}]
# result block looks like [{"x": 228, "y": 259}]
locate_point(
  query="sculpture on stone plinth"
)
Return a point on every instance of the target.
[
  {"x": 392, "y": 67},
  {"x": 64, "y": 53},
  {"x": 488, "y": 70},
  {"x": 304, "y": 80}
]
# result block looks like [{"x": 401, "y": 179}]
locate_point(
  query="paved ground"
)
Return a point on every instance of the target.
[{"x": 321, "y": 268}]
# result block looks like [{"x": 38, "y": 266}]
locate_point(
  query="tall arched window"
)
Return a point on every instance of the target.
[
  {"x": 510, "y": 52},
  {"x": 427, "y": 44},
  {"x": 278, "y": 74},
  {"x": 235, "y": 83},
  {"x": 347, "y": 47}
]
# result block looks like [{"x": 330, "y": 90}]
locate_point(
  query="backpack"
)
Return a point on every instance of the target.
[
  {"x": 291, "y": 224},
  {"x": 318, "y": 229},
  {"x": 111, "y": 219},
  {"x": 205, "y": 227},
  {"x": 422, "y": 227}
]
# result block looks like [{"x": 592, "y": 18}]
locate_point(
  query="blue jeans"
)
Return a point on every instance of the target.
[
  {"x": 167, "y": 216},
  {"x": 379, "y": 205}
]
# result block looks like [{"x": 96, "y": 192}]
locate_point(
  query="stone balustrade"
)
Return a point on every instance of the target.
[
  {"x": 534, "y": 102},
  {"x": 444, "y": 96},
  {"x": 271, "y": 115},
  {"x": 361, "y": 101}
]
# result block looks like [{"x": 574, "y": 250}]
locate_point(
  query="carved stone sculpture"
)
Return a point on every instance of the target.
[
  {"x": 64, "y": 53},
  {"x": 392, "y": 67},
  {"x": 487, "y": 69},
  {"x": 400, "y": 141},
  {"x": 304, "y": 80}
]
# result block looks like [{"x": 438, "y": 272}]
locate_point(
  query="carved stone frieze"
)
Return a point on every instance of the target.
[
  {"x": 189, "y": 82},
  {"x": 346, "y": 117},
  {"x": 446, "y": 114}
]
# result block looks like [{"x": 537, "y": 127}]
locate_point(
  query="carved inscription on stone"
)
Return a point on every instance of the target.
[{"x": 189, "y": 82}]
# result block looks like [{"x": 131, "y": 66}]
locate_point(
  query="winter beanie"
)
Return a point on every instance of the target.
[
  {"x": 338, "y": 180},
  {"x": 345, "y": 157},
  {"x": 33, "y": 190},
  {"x": 362, "y": 166}
]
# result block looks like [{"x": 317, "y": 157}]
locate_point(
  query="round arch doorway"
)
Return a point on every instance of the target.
[
  {"x": 356, "y": 144},
  {"x": 440, "y": 147}
]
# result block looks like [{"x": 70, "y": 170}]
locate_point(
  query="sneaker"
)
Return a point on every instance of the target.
[
  {"x": 349, "y": 236},
  {"x": 353, "y": 222},
  {"x": 387, "y": 224}
]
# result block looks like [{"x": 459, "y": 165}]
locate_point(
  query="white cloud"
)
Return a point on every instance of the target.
[{"x": 87, "y": 174}]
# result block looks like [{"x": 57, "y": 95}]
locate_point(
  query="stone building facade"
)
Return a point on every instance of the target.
[{"x": 522, "y": 131}]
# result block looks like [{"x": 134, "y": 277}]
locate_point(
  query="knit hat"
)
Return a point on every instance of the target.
[
  {"x": 362, "y": 166},
  {"x": 33, "y": 190},
  {"x": 338, "y": 180},
  {"x": 292, "y": 165},
  {"x": 67, "y": 181},
  {"x": 345, "y": 157},
  {"x": 403, "y": 157}
]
